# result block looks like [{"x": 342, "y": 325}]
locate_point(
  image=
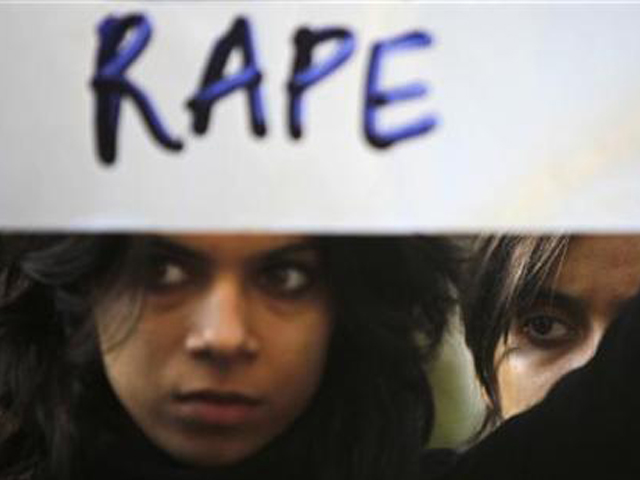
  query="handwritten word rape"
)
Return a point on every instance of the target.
[{"x": 115, "y": 55}]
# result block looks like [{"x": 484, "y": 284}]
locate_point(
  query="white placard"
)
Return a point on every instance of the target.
[{"x": 536, "y": 110}]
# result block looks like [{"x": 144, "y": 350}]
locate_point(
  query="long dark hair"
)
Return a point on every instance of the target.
[
  {"x": 505, "y": 275},
  {"x": 370, "y": 419}
]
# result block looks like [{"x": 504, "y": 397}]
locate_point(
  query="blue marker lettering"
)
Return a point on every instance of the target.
[
  {"x": 214, "y": 86},
  {"x": 305, "y": 74},
  {"x": 376, "y": 97},
  {"x": 110, "y": 84}
]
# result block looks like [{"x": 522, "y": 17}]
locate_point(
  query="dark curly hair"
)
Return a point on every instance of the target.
[{"x": 373, "y": 412}]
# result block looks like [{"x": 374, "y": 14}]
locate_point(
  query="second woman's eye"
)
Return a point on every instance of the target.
[{"x": 546, "y": 330}]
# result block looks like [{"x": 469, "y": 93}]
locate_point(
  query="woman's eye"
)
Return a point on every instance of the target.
[
  {"x": 547, "y": 330},
  {"x": 171, "y": 275},
  {"x": 286, "y": 280},
  {"x": 165, "y": 274}
]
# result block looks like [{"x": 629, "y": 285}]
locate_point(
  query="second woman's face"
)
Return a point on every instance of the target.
[
  {"x": 564, "y": 326},
  {"x": 230, "y": 345}
]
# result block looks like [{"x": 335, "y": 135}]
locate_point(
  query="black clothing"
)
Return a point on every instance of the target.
[{"x": 588, "y": 426}]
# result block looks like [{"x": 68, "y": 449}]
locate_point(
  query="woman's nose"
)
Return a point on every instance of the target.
[{"x": 219, "y": 326}]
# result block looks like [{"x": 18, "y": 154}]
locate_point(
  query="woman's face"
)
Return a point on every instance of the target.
[
  {"x": 229, "y": 347},
  {"x": 563, "y": 328}
]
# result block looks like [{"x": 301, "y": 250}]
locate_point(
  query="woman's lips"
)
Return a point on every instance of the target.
[{"x": 217, "y": 409}]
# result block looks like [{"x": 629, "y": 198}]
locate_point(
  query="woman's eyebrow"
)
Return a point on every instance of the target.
[
  {"x": 570, "y": 303},
  {"x": 178, "y": 250},
  {"x": 293, "y": 248}
]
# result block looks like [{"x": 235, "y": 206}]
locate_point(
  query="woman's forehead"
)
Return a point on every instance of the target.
[
  {"x": 241, "y": 245},
  {"x": 601, "y": 269}
]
